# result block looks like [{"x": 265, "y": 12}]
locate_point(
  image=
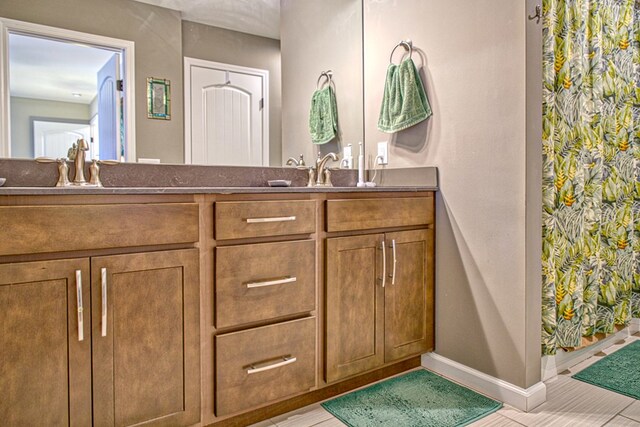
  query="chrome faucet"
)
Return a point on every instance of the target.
[
  {"x": 78, "y": 179},
  {"x": 323, "y": 176},
  {"x": 83, "y": 147},
  {"x": 300, "y": 164}
]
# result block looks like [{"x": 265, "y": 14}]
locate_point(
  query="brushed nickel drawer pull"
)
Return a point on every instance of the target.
[
  {"x": 384, "y": 264},
  {"x": 285, "y": 361},
  {"x": 393, "y": 274},
  {"x": 272, "y": 219},
  {"x": 103, "y": 274},
  {"x": 271, "y": 282},
  {"x": 80, "y": 306}
]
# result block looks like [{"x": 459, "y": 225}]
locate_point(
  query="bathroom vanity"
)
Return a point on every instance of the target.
[{"x": 197, "y": 306}]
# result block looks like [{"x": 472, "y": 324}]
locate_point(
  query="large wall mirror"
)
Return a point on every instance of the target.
[{"x": 241, "y": 73}]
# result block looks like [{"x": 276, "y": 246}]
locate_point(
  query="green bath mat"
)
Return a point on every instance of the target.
[
  {"x": 417, "y": 399},
  {"x": 617, "y": 372}
]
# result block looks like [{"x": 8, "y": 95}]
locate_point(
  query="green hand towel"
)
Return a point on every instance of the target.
[
  {"x": 405, "y": 102},
  {"x": 323, "y": 118}
]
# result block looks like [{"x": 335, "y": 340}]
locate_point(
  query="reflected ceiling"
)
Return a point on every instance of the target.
[
  {"x": 71, "y": 68},
  {"x": 258, "y": 17}
]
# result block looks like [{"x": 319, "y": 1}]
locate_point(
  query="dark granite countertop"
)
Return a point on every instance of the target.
[
  {"x": 36, "y": 191},
  {"x": 26, "y": 177}
]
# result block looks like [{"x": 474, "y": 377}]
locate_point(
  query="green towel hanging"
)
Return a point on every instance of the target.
[
  {"x": 405, "y": 102},
  {"x": 323, "y": 118}
]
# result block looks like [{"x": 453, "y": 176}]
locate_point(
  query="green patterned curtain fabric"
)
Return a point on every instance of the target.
[{"x": 591, "y": 164}]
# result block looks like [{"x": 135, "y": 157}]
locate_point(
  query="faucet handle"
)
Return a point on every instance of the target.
[
  {"x": 46, "y": 160},
  {"x": 63, "y": 169},
  {"x": 94, "y": 170}
]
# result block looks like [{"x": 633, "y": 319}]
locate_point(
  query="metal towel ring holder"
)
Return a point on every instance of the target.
[
  {"x": 327, "y": 75},
  {"x": 407, "y": 44}
]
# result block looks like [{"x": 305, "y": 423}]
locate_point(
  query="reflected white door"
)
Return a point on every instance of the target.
[
  {"x": 54, "y": 139},
  {"x": 226, "y": 117},
  {"x": 109, "y": 110}
]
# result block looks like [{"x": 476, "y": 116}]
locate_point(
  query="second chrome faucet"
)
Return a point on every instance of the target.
[{"x": 322, "y": 173}]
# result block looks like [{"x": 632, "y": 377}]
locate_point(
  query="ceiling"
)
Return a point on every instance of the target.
[
  {"x": 258, "y": 17},
  {"x": 70, "y": 68}
]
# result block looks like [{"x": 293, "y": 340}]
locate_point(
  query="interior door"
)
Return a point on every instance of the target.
[
  {"x": 145, "y": 339},
  {"x": 45, "y": 343},
  {"x": 109, "y": 110},
  {"x": 227, "y": 118},
  {"x": 409, "y": 294}
]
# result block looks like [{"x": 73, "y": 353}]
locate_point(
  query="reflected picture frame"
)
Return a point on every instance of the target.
[{"x": 158, "y": 98}]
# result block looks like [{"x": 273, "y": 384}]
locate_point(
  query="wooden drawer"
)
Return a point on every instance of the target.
[
  {"x": 40, "y": 229},
  {"x": 365, "y": 214},
  {"x": 251, "y": 368},
  {"x": 264, "y": 281},
  {"x": 237, "y": 220}
]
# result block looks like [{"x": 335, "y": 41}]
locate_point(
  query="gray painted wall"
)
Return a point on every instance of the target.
[
  {"x": 158, "y": 47},
  {"x": 22, "y": 109},
  {"x": 473, "y": 58},
  {"x": 318, "y": 36},
  {"x": 232, "y": 47}
]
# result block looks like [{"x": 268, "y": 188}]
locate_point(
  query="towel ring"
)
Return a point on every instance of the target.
[
  {"x": 408, "y": 45},
  {"x": 327, "y": 75}
]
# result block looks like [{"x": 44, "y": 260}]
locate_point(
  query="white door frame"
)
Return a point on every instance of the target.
[
  {"x": 27, "y": 28},
  {"x": 190, "y": 62}
]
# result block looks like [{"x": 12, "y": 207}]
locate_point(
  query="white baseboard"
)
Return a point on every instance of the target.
[
  {"x": 520, "y": 398},
  {"x": 553, "y": 365}
]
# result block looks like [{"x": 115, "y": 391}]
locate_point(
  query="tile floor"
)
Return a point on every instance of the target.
[{"x": 569, "y": 403}]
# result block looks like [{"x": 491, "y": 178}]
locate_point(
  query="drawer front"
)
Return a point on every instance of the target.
[
  {"x": 365, "y": 214},
  {"x": 41, "y": 229},
  {"x": 264, "y": 364},
  {"x": 264, "y": 281},
  {"x": 238, "y": 220}
]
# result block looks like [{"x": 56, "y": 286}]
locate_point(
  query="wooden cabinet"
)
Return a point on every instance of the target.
[
  {"x": 45, "y": 360},
  {"x": 145, "y": 338},
  {"x": 379, "y": 295},
  {"x": 264, "y": 302},
  {"x": 264, "y": 364},
  {"x": 408, "y": 300},
  {"x": 259, "y": 282},
  {"x": 137, "y": 358},
  {"x": 203, "y": 309},
  {"x": 355, "y": 306},
  {"x": 106, "y": 337}
]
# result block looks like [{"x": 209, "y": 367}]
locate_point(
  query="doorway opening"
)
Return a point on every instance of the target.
[{"x": 56, "y": 75}]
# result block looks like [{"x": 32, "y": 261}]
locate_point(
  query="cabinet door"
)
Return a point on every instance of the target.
[
  {"x": 408, "y": 304},
  {"x": 146, "y": 366},
  {"x": 45, "y": 362},
  {"x": 354, "y": 296}
]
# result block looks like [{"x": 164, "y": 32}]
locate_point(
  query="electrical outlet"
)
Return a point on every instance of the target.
[{"x": 383, "y": 153}]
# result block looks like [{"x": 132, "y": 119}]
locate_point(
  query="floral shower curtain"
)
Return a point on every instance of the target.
[{"x": 591, "y": 169}]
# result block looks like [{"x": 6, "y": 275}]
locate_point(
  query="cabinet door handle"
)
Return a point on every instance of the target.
[
  {"x": 393, "y": 274},
  {"x": 103, "y": 281},
  {"x": 384, "y": 263},
  {"x": 271, "y": 282},
  {"x": 285, "y": 361},
  {"x": 272, "y": 219},
  {"x": 80, "y": 306}
]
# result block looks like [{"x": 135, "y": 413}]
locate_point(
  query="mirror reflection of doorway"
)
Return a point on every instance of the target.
[
  {"x": 56, "y": 73},
  {"x": 49, "y": 78}
]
